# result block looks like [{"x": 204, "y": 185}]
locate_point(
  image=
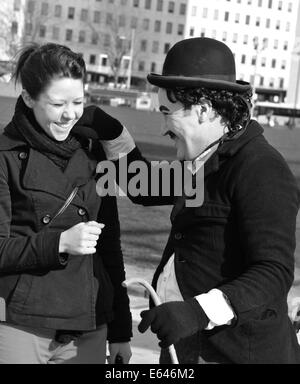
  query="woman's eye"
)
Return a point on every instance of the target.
[{"x": 57, "y": 105}]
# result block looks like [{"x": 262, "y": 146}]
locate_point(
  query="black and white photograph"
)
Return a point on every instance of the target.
[{"x": 150, "y": 185}]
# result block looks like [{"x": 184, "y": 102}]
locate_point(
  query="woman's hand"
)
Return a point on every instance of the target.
[
  {"x": 121, "y": 349},
  {"x": 81, "y": 239}
]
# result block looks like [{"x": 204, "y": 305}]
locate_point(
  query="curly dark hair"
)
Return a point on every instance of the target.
[{"x": 233, "y": 107}]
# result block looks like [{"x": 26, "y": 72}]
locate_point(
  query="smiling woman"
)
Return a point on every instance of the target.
[{"x": 56, "y": 278}]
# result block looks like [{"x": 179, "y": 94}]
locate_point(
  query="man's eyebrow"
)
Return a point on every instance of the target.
[{"x": 163, "y": 109}]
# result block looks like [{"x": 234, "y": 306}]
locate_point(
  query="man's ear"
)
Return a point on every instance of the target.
[
  {"x": 27, "y": 99},
  {"x": 204, "y": 111}
]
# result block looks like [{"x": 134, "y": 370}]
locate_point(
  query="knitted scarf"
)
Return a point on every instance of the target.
[{"x": 25, "y": 127}]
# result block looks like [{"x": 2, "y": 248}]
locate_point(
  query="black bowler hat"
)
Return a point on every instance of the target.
[{"x": 199, "y": 62}]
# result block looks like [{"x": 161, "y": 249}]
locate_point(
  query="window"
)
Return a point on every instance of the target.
[
  {"x": 202, "y": 34},
  {"x": 92, "y": 59},
  {"x": 126, "y": 62},
  {"x": 95, "y": 38},
  {"x": 157, "y": 26},
  {"x": 159, "y": 5},
  {"x": 234, "y": 38},
  {"x": 237, "y": 17},
  {"x": 153, "y": 67},
  {"x": 192, "y": 31},
  {"x": 146, "y": 23},
  {"x": 263, "y": 61},
  {"x": 166, "y": 47},
  {"x": 283, "y": 64},
  {"x": 285, "y": 46},
  {"x": 271, "y": 82},
  {"x": 253, "y": 60},
  {"x": 243, "y": 59},
  {"x": 143, "y": 45},
  {"x": 155, "y": 46},
  {"x": 141, "y": 66},
  {"x": 44, "y": 9},
  {"x": 109, "y": 19},
  {"x": 260, "y": 3},
  {"x": 275, "y": 44},
  {"x": 169, "y": 28},
  {"x": 30, "y": 6},
  {"x": 134, "y": 22},
  {"x": 136, "y": 3},
  {"x": 245, "y": 41},
  {"x": 273, "y": 63},
  {"x": 226, "y": 16},
  {"x": 278, "y": 24},
  {"x": 122, "y": 21},
  {"x": 84, "y": 15},
  {"x": 247, "y": 19},
  {"x": 257, "y": 22},
  {"x": 42, "y": 31},
  {"x": 290, "y": 7},
  {"x": 17, "y": 5},
  {"x": 71, "y": 12},
  {"x": 261, "y": 81},
  {"x": 182, "y": 9},
  {"x": 107, "y": 40},
  {"x": 14, "y": 27},
  {"x": 281, "y": 82},
  {"x": 55, "y": 33},
  {"x": 28, "y": 28},
  {"x": 57, "y": 11},
  {"x": 280, "y": 5},
  {"x": 194, "y": 11},
  {"x": 171, "y": 7},
  {"x": 268, "y": 23},
  {"x": 97, "y": 16},
  {"x": 103, "y": 61},
  {"x": 180, "y": 29},
  {"x": 216, "y": 14},
  {"x": 204, "y": 13},
  {"x": 288, "y": 26},
  {"x": 69, "y": 34},
  {"x": 270, "y": 3},
  {"x": 147, "y": 4},
  {"x": 81, "y": 37},
  {"x": 213, "y": 34},
  {"x": 224, "y": 36}
]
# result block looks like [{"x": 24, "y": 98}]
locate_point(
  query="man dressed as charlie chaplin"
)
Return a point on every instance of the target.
[{"x": 228, "y": 264}]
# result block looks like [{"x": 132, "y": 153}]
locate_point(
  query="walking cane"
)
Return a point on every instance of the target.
[{"x": 157, "y": 302}]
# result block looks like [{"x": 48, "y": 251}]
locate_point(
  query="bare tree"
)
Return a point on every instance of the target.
[{"x": 116, "y": 42}]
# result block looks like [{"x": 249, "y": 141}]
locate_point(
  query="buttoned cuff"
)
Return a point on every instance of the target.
[
  {"x": 217, "y": 308},
  {"x": 119, "y": 147},
  {"x": 51, "y": 257}
]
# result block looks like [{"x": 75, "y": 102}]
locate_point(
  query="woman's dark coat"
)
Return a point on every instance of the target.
[{"x": 41, "y": 287}]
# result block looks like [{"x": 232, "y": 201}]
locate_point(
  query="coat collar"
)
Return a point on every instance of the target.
[
  {"x": 42, "y": 174},
  {"x": 230, "y": 147}
]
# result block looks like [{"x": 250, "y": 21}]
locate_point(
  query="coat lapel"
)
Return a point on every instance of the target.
[{"x": 42, "y": 174}]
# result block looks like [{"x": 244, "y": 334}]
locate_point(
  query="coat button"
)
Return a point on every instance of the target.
[
  {"x": 81, "y": 211},
  {"x": 178, "y": 236},
  {"x": 22, "y": 155},
  {"x": 46, "y": 219}
]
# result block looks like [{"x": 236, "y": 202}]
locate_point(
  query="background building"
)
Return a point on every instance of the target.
[{"x": 123, "y": 40}]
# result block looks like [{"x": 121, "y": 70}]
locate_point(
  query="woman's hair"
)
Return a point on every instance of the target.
[
  {"x": 234, "y": 108},
  {"x": 37, "y": 65}
]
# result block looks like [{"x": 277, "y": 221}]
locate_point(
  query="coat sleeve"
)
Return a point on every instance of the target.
[
  {"x": 266, "y": 200},
  {"x": 120, "y": 329},
  {"x": 23, "y": 253}
]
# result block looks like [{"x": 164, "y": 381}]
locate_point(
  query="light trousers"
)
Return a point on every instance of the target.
[{"x": 24, "y": 345}]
